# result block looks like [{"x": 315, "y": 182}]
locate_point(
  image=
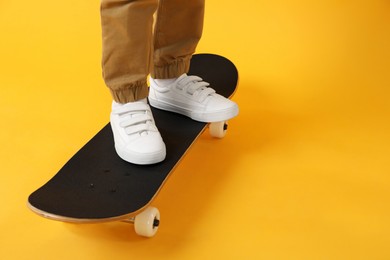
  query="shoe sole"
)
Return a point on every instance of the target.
[{"x": 218, "y": 116}]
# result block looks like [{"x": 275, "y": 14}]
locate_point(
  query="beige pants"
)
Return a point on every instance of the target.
[{"x": 133, "y": 49}]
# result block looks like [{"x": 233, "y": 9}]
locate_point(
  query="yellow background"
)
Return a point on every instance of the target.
[{"x": 302, "y": 174}]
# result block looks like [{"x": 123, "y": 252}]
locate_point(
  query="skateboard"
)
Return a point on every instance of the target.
[{"x": 95, "y": 185}]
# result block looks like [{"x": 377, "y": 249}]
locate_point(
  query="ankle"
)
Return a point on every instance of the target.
[
  {"x": 118, "y": 104},
  {"x": 164, "y": 82}
]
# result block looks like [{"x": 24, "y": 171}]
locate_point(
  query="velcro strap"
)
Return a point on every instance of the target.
[
  {"x": 137, "y": 129},
  {"x": 205, "y": 93},
  {"x": 189, "y": 79},
  {"x": 138, "y": 119}
]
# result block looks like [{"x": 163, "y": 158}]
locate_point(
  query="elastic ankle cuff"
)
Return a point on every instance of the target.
[
  {"x": 134, "y": 92},
  {"x": 172, "y": 70}
]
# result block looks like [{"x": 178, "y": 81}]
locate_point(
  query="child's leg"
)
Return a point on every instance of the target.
[
  {"x": 127, "y": 58},
  {"x": 127, "y": 47},
  {"x": 177, "y": 32},
  {"x": 178, "y": 29}
]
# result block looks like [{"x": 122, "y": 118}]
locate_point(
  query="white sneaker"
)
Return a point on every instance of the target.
[
  {"x": 191, "y": 96},
  {"x": 136, "y": 136}
]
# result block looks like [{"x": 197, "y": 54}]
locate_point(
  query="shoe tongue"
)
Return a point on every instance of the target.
[
  {"x": 143, "y": 100},
  {"x": 116, "y": 105}
]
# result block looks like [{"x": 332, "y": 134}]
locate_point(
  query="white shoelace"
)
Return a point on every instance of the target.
[{"x": 196, "y": 87}]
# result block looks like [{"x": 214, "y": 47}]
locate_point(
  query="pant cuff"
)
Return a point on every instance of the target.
[
  {"x": 172, "y": 70},
  {"x": 134, "y": 92}
]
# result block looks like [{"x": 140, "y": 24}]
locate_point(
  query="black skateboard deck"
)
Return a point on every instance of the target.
[{"x": 95, "y": 185}]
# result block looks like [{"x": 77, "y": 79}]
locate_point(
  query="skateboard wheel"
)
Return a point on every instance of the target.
[
  {"x": 146, "y": 223},
  {"x": 218, "y": 129}
]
